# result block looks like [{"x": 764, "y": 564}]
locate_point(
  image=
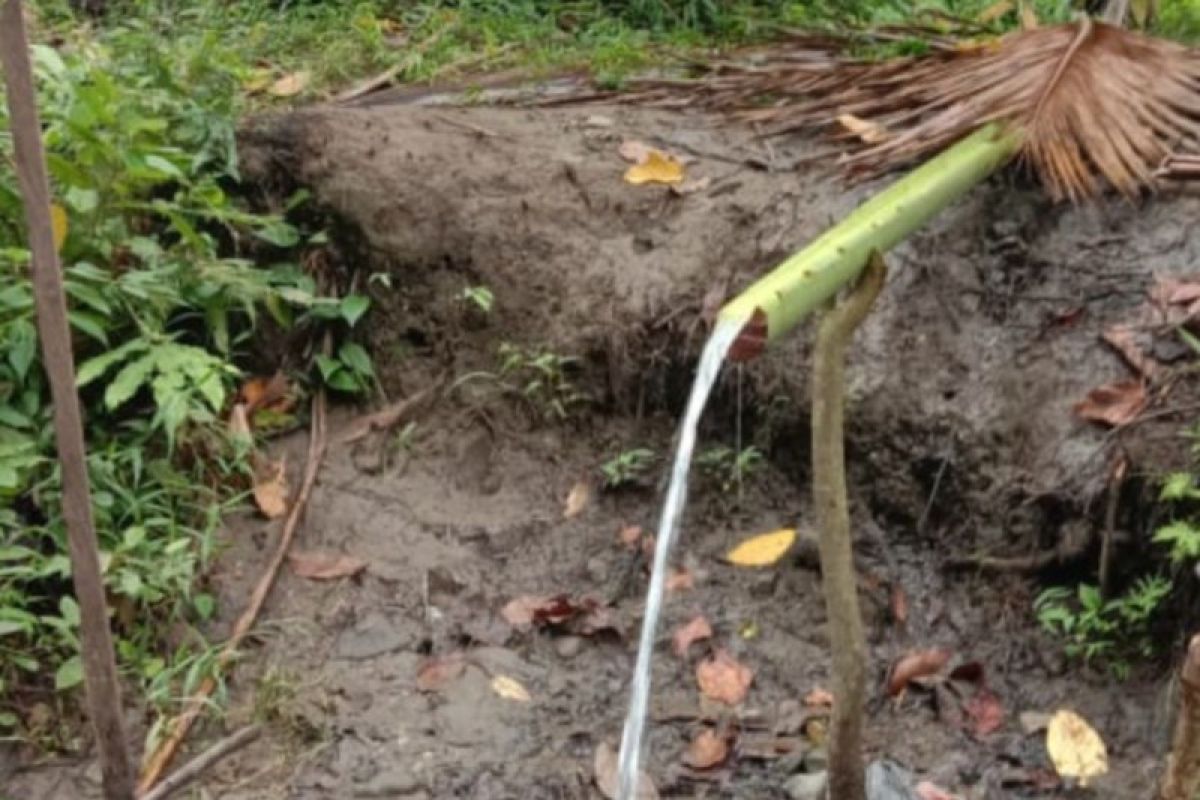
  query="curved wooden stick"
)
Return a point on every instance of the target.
[{"x": 846, "y": 638}]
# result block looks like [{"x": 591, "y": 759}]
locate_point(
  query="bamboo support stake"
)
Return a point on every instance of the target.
[
  {"x": 846, "y": 637},
  {"x": 1183, "y": 766},
  {"x": 99, "y": 666}
]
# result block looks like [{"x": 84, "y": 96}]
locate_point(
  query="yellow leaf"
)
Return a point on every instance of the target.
[
  {"x": 271, "y": 489},
  {"x": 995, "y": 11},
  {"x": 58, "y": 223},
  {"x": 577, "y": 500},
  {"x": 1075, "y": 748},
  {"x": 1029, "y": 19},
  {"x": 658, "y": 167},
  {"x": 762, "y": 550},
  {"x": 510, "y": 689},
  {"x": 869, "y": 132},
  {"x": 290, "y": 84}
]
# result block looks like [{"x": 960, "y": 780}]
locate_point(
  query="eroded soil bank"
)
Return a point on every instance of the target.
[{"x": 962, "y": 442}]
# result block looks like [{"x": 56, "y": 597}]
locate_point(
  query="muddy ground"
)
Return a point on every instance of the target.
[{"x": 962, "y": 441}]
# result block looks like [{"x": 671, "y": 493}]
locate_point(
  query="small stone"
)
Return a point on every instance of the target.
[
  {"x": 374, "y": 636},
  {"x": 816, "y": 760},
  {"x": 568, "y": 646},
  {"x": 806, "y": 786},
  {"x": 1034, "y": 722}
]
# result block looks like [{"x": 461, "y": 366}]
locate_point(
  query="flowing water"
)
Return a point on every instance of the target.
[{"x": 715, "y": 350}]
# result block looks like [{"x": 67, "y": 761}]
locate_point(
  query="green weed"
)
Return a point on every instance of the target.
[
  {"x": 1115, "y": 632},
  {"x": 627, "y": 467},
  {"x": 728, "y": 467}
]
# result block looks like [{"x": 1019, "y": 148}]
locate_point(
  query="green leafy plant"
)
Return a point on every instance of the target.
[
  {"x": 542, "y": 378},
  {"x": 728, "y": 467},
  {"x": 1112, "y": 631},
  {"x": 627, "y": 467},
  {"x": 479, "y": 296}
]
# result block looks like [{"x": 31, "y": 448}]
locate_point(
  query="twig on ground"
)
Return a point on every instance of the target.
[
  {"x": 1183, "y": 766},
  {"x": 846, "y": 637},
  {"x": 1110, "y": 523},
  {"x": 157, "y": 761},
  {"x": 192, "y": 770}
]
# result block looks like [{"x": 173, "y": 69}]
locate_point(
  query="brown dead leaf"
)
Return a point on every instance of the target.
[
  {"x": 1114, "y": 404},
  {"x": 929, "y": 791},
  {"x": 319, "y": 565},
  {"x": 291, "y": 84},
  {"x": 537, "y": 610},
  {"x": 1122, "y": 339},
  {"x": 680, "y": 580},
  {"x": 577, "y": 500},
  {"x": 898, "y": 602},
  {"x": 519, "y": 611},
  {"x": 630, "y": 535},
  {"x": 723, "y": 679},
  {"x": 707, "y": 750},
  {"x": 685, "y": 635},
  {"x": 239, "y": 423},
  {"x": 985, "y": 711},
  {"x": 818, "y": 698},
  {"x": 438, "y": 672},
  {"x": 914, "y": 665},
  {"x": 868, "y": 132},
  {"x": 658, "y": 167},
  {"x": 271, "y": 489},
  {"x": 265, "y": 393},
  {"x": 604, "y": 771}
]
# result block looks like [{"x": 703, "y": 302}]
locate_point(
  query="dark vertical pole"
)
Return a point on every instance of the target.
[{"x": 99, "y": 666}]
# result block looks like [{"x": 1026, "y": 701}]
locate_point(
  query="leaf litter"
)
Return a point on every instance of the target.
[
  {"x": 321, "y": 565},
  {"x": 695, "y": 630},
  {"x": 723, "y": 679}
]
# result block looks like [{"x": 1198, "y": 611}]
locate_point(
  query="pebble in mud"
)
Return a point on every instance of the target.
[
  {"x": 568, "y": 646},
  {"x": 806, "y": 786}
]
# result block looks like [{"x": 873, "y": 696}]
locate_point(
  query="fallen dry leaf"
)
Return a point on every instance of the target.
[
  {"x": 510, "y": 689},
  {"x": 818, "y": 698},
  {"x": 577, "y": 500},
  {"x": 914, "y": 665},
  {"x": 265, "y": 393},
  {"x": 707, "y": 750},
  {"x": 604, "y": 771},
  {"x": 630, "y": 535},
  {"x": 437, "y": 672},
  {"x": 324, "y": 566},
  {"x": 692, "y": 186},
  {"x": 898, "y": 604},
  {"x": 633, "y": 151},
  {"x": 291, "y": 84},
  {"x": 985, "y": 711},
  {"x": 530, "y": 610},
  {"x": 1075, "y": 748},
  {"x": 868, "y": 132},
  {"x": 723, "y": 679},
  {"x": 680, "y": 579},
  {"x": 1029, "y": 19},
  {"x": 762, "y": 550},
  {"x": 239, "y": 423},
  {"x": 271, "y": 489},
  {"x": 687, "y": 634},
  {"x": 658, "y": 167},
  {"x": 929, "y": 791},
  {"x": 1122, "y": 339},
  {"x": 1114, "y": 404},
  {"x": 519, "y": 611}
]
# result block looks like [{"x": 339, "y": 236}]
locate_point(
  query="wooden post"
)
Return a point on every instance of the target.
[{"x": 99, "y": 666}]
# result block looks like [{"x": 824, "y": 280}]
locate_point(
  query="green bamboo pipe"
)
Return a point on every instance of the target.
[{"x": 784, "y": 296}]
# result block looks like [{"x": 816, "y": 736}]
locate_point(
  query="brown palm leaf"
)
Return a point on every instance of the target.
[{"x": 1093, "y": 103}]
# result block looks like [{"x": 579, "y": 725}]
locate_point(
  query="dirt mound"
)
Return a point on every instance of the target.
[{"x": 962, "y": 435}]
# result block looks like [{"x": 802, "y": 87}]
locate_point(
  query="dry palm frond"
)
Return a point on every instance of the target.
[{"x": 1092, "y": 102}]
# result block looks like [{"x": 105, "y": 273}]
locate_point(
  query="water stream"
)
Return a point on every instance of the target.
[{"x": 715, "y": 350}]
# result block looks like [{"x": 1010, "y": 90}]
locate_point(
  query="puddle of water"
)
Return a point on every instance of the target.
[{"x": 715, "y": 350}]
